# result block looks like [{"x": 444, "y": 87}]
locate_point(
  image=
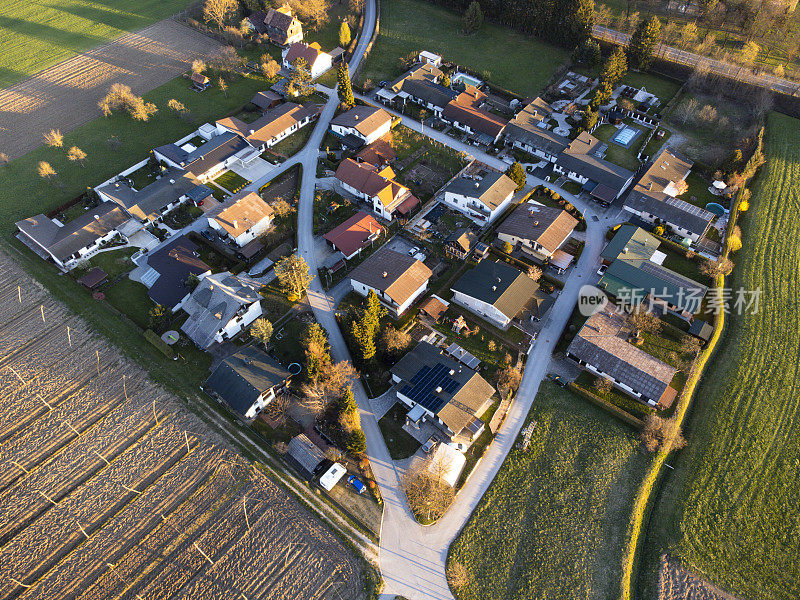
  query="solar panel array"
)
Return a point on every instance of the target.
[
  {"x": 690, "y": 208},
  {"x": 425, "y": 383},
  {"x": 668, "y": 276}
]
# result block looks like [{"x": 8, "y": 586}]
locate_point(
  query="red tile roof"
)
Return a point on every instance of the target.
[{"x": 353, "y": 235}]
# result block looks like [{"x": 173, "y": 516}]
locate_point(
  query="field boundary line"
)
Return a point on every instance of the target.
[{"x": 642, "y": 504}]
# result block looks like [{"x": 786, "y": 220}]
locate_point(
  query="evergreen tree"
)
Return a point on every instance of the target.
[
  {"x": 587, "y": 53},
  {"x": 602, "y": 94},
  {"x": 344, "y": 35},
  {"x": 579, "y": 17},
  {"x": 446, "y": 80},
  {"x": 347, "y": 403},
  {"x": 516, "y": 172},
  {"x": 366, "y": 329},
  {"x": 356, "y": 444},
  {"x": 299, "y": 83},
  {"x": 615, "y": 68},
  {"x": 643, "y": 43},
  {"x": 473, "y": 18},
  {"x": 345, "y": 88},
  {"x": 589, "y": 119}
]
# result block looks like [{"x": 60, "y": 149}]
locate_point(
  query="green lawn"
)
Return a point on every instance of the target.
[
  {"x": 400, "y": 444},
  {"x": 552, "y": 523},
  {"x": 130, "y": 297},
  {"x": 624, "y": 157},
  {"x": 19, "y": 178},
  {"x": 37, "y": 35},
  {"x": 698, "y": 193},
  {"x": 730, "y": 509},
  {"x": 328, "y": 34},
  {"x": 662, "y": 87},
  {"x": 233, "y": 182},
  {"x": 114, "y": 262},
  {"x": 289, "y": 146},
  {"x": 516, "y": 62}
]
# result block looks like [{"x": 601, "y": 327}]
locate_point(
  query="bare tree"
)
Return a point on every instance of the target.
[
  {"x": 46, "y": 171},
  {"x": 664, "y": 434},
  {"x": 114, "y": 143},
  {"x": 228, "y": 60},
  {"x": 328, "y": 383},
  {"x": 223, "y": 86},
  {"x": 218, "y": 11},
  {"x": 534, "y": 272},
  {"x": 75, "y": 154},
  {"x": 508, "y": 380},
  {"x": 315, "y": 11},
  {"x": 714, "y": 268},
  {"x": 395, "y": 341},
  {"x": 602, "y": 385},
  {"x": 54, "y": 138},
  {"x": 457, "y": 576},
  {"x": 198, "y": 66},
  {"x": 4, "y": 160},
  {"x": 642, "y": 320},
  {"x": 270, "y": 68},
  {"x": 261, "y": 329},
  {"x": 429, "y": 495}
]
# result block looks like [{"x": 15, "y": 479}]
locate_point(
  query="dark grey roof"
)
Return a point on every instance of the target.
[
  {"x": 305, "y": 454},
  {"x": 63, "y": 242},
  {"x": 464, "y": 238},
  {"x": 672, "y": 210},
  {"x": 149, "y": 202},
  {"x": 499, "y": 284},
  {"x": 549, "y": 226},
  {"x": 602, "y": 343},
  {"x": 214, "y": 302},
  {"x": 198, "y": 193},
  {"x": 429, "y": 92},
  {"x": 213, "y": 152},
  {"x": 172, "y": 152},
  {"x": 453, "y": 392},
  {"x": 492, "y": 189},
  {"x": 582, "y": 156},
  {"x": 174, "y": 263},
  {"x": 240, "y": 379},
  {"x": 538, "y": 138}
]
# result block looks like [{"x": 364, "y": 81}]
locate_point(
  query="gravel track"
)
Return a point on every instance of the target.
[{"x": 134, "y": 521}]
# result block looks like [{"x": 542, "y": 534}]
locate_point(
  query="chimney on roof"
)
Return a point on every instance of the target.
[
  {"x": 494, "y": 288},
  {"x": 172, "y": 182},
  {"x": 625, "y": 250},
  {"x": 252, "y": 131},
  {"x": 649, "y": 186},
  {"x": 439, "y": 390},
  {"x": 536, "y": 223},
  {"x": 355, "y": 117},
  {"x": 477, "y": 184},
  {"x": 385, "y": 274},
  {"x": 452, "y": 371}
]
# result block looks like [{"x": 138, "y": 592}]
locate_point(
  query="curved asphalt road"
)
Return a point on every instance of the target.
[{"x": 412, "y": 557}]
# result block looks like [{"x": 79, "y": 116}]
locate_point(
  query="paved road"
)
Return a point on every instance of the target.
[
  {"x": 412, "y": 557},
  {"x": 675, "y": 55}
]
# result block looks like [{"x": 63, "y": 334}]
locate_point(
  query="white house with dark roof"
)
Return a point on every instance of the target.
[
  {"x": 482, "y": 197},
  {"x": 212, "y": 157},
  {"x": 584, "y": 161},
  {"x": 654, "y": 197},
  {"x": 248, "y": 381},
  {"x": 318, "y": 61},
  {"x": 273, "y": 126},
  {"x": 539, "y": 229},
  {"x": 220, "y": 307},
  {"x": 69, "y": 243}
]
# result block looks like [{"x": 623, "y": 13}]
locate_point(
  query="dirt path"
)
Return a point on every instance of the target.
[{"x": 65, "y": 96}]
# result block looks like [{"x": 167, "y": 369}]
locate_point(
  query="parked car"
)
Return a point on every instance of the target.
[
  {"x": 557, "y": 379},
  {"x": 429, "y": 445},
  {"x": 207, "y": 234},
  {"x": 355, "y": 483},
  {"x": 413, "y": 251},
  {"x": 601, "y": 271}
]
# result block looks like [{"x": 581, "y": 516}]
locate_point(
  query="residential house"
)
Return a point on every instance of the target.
[
  {"x": 466, "y": 112},
  {"x": 170, "y": 190},
  {"x": 392, "y": 93},
  {"x": 460, "y": 243},
  {"x": 439, "y": 390},
  {"x": 378, "y": 187},
  {"x": 427, "y": 94},
  {"x": 367, "y": 123},
  {"x": 636, "y": 273},
  {"x": 379, "y": 153},
  {"x": 429, "y": 58},
  {"x": 584, "y": 161},
  {"x": 539, "y": 229},
  {"x": 355, "y": 234},
  {"x": 602, "y": 348},
  {"x": 278, "y": 24},
  {"x": 211, "y": 158},
  {"x": 220, "y": 307},
  {"x": 529, "y": 131},
  {"x": 242, "y": 217},
  {"x": 318, "y": 61},
  {"x": 482, "y": 197},
  {"x": 654, "y": 200},
  {"x": 397, "y": 278},
  {"x": 69, "y": 243},
  {"x": 168, "y": 271},
  {"x": 498, "y": 293},
  {"x": 273, "y": 126},
  {"x": 248, "y": 381}
]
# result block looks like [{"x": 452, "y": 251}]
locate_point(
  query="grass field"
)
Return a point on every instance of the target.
[
  {"x": 37, "y": 35},
  {"x": 516, "y": 62},
  {"x": 731, "y": 509},
  {"x": 19, "y": 178},
  {"x": 552, "y": 522}
]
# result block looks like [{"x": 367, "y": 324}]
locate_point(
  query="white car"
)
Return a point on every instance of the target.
[
  {"x": 413, "y": 251},
  {"x": 601, "y": 271}
]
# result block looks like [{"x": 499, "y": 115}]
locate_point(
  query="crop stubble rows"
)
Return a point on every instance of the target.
[{"x": 109, "y": 490}]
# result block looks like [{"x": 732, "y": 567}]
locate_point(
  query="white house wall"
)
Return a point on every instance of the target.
[{"x": 482, "y": 309}]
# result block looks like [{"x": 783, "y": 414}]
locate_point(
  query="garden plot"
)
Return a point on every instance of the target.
[{"x": 100, "y": 467}]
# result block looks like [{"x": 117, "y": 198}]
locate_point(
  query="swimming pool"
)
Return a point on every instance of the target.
[
  {"x": 625, "y": 136},
  {"x": 466, "y": 79}
]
